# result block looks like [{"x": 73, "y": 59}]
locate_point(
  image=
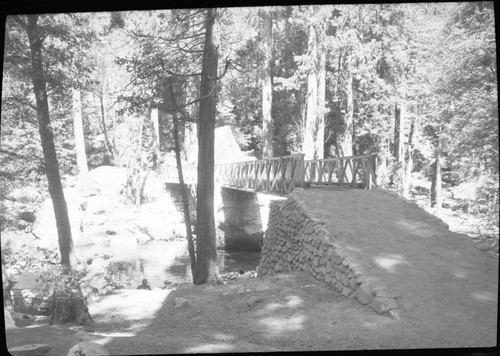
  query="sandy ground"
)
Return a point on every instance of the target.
[{"x": 448, "y": 292}]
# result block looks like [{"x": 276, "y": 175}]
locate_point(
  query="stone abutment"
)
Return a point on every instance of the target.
[{"x": 297, "y": 240}]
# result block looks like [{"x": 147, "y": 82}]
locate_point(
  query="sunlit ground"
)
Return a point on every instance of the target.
[
  {"x": 210, "y": 348},
  {"x": 485, "y": 296},
  {"x": 418, "y": 228},
  {"x": 282, "y": 324},
  {"x": 140, "y": 306},
  {"x": 389, "y": 262},
  {"x": 129, "y": 304}
]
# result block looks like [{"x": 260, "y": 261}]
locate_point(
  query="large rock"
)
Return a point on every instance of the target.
[
  {"x": 98, "y": 205},
  {"x": 25, "y": 195},
  {"x": 45, "y": 224},
  {"x": 153, "y": 188},
  {"x": 160, "y": 220},
  {"x": 109, "y": 180},
  {"x": 87, "y": 348},
  {"x": 28, "y": 216},
  {"x": 9, "y": 322},
  {"x": 226, "y": 147}
]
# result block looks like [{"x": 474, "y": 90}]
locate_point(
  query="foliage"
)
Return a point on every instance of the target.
[
  {"x": 117, "y": 275},
  {"x": 439, "y": 59}
]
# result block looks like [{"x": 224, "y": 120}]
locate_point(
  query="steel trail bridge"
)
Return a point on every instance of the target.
[{"x": 281, "y": 175}]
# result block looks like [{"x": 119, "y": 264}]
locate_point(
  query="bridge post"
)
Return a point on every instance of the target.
[{"x": 301, "y": 171}]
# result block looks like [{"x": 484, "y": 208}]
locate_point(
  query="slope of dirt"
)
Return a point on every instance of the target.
[{"x": 443, "y": 280}]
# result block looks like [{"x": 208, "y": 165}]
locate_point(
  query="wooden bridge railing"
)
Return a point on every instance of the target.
[
  {"x": 283, "y": 174},
  {"x": 276, "y": 175},
  {"x": 352, "y": 171},
  {"x": 169, "y": 174}
]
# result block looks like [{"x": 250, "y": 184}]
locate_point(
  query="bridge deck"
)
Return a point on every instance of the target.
[
  {"x": 281, "y": 175},
  {"x": 444, "y": 281}
]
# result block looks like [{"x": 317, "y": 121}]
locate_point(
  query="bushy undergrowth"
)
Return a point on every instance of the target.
[
  {"x": 116, "y": 275},
  {"x": 113, "y": 274}
]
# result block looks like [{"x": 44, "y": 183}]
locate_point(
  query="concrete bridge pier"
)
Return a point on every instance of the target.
[{"x": 242, "y": 217}]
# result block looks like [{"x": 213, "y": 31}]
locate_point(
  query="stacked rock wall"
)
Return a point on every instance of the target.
[{"x": 297, "y": 240}]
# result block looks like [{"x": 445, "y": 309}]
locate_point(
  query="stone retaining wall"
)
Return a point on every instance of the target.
[{"x": 298, "y": 240}]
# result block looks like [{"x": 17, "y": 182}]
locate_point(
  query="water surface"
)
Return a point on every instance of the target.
[{"x": 160, "y": 261}]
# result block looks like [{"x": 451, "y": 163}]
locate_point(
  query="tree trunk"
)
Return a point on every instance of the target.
[
  {"x": 312, "y": 98},
  {"x": 184, "y": 195},
  {"x": 320, "y": 134},
  {"x": 85, "y": 185},
  {"x": 109, "y": 145},
  {"x": 138, "y": 169},
  {"x": 436, "y": 195},
  {"x": 69, "y": 306},
  {"x": 155, "y": 137},
  {"x": 49, "y": 152},
  {"x": 206, "y": 259},
  {"x": 398, "y": 133},
  {"x": 409, "y": 163},
  {"x": 348, "y": 119},
  {"x": 81, "y": 156},
  {"x": 267, "y": 85}
]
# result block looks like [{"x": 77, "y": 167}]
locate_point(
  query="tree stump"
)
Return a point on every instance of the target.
[{"x": 69, "y": 306}]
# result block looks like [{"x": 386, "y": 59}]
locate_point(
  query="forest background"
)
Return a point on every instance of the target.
[{"x": 415, "y": 84}]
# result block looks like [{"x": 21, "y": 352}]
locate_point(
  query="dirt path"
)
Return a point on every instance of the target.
[{"x": 444, "y": 281}]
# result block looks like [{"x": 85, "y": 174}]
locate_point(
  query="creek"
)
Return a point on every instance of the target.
[{"x": 160, "y": 261}]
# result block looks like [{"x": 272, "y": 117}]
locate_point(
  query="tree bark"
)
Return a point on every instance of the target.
[
  {"x": 81, "y": 156},
  {"x": 348, "y": 119},
  {"x": 69, "y": 306},
  {"x": 398, "y": 132},
  {"x": 312, "y": 98},
  {"x": 320, "y": 134},
  {"x": 436, "y": 195},
  {"x": 109, "y": 145},
  {"x": 85, "y": 185},
  {"x": 409, "y": 162},
  {"x": 49, "y": 152},
  {"x": 267, "y": 84},
  {"x": 184, "y": 194},
  {"x": 155, "y": 136},
  {"x": 206, "y": 259}
]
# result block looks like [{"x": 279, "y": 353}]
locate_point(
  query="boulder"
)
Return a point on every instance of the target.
[
  {"x": 87, "y": 348},
  {"x": 45, "y": 224},
  {"x": 160, "y": 220},
  {"x": 109, "y": 180},
  {"x": 9, "y": 322},
  {"x": 227, "y": 149},
  {"x": 25, "y": 195},
  {"x": 86, "y": 185},
  {"x": 98, "y": 205},
  {"x": 28, "y": 216},
  {"x": 153, "y": 188}
]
